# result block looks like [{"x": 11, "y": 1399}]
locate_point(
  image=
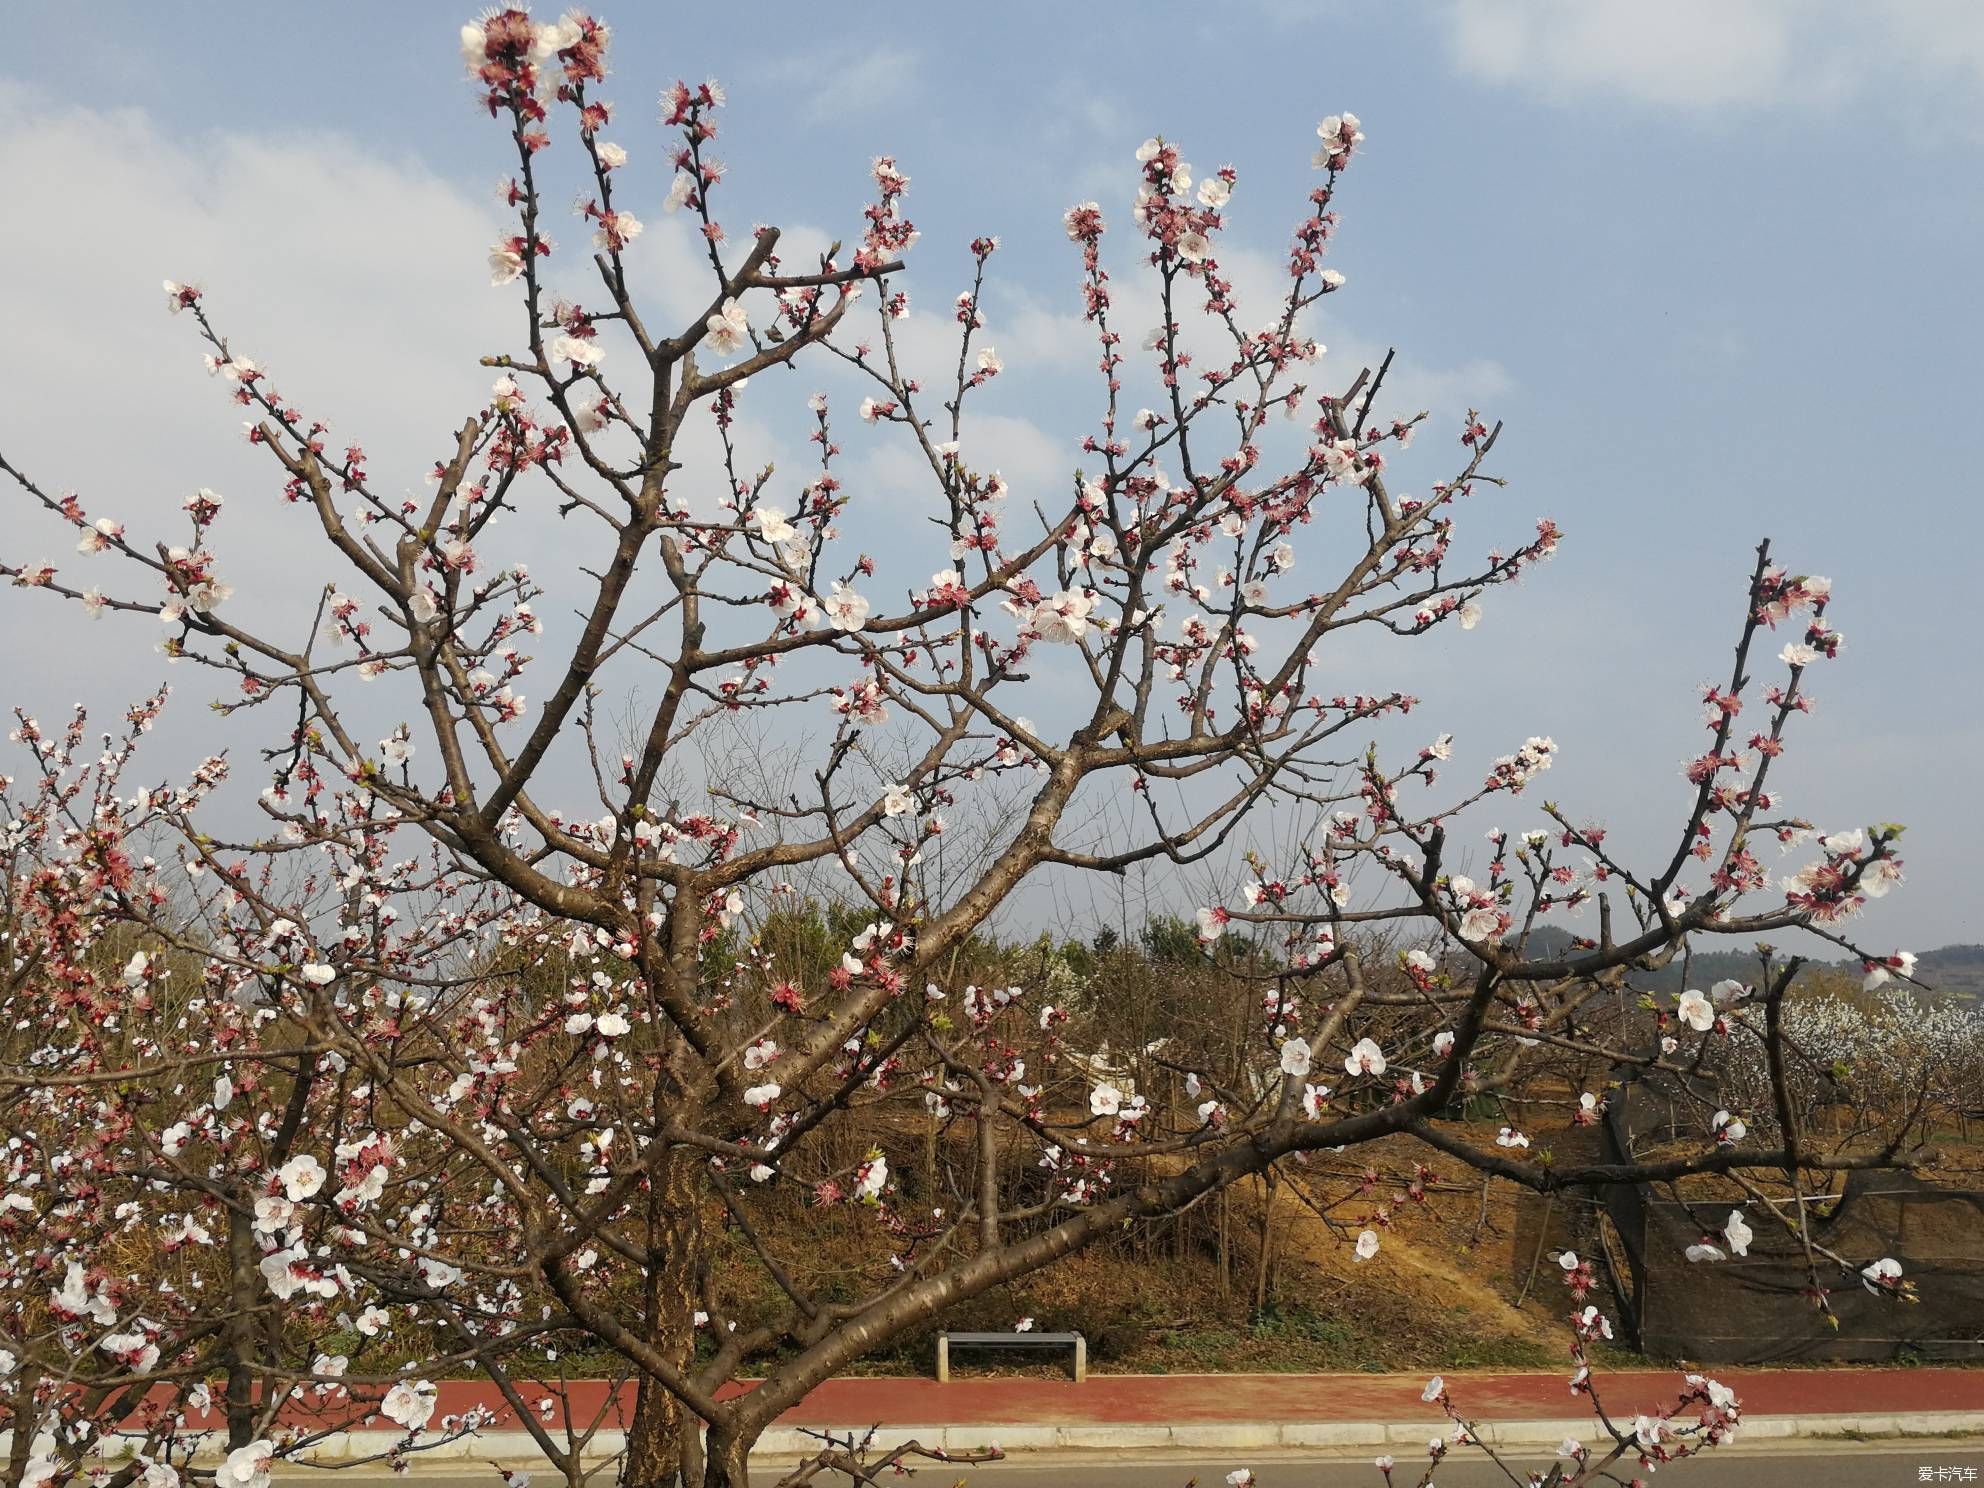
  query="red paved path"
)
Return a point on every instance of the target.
[
  {"x": 1166, "y": 1399},
  {"x": 1169, "y": 1399}
]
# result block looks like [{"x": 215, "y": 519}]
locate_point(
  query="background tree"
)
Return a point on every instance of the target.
[{"x": 484, "y": 1079}]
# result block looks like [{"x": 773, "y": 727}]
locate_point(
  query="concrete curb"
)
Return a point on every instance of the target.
[
  {"x": 1239, "y": 1436},
  {"x": 1017, "y": 1438}
]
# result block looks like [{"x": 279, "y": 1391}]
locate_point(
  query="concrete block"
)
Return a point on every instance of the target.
[
  {"x": 1414, "y": 1433},
  {"x": 1930, "y": 1423},
  {"x": 1828, "y": 1425},
  {"x": 1226, "y": 1436},
  {"x": 1333, "y": 1434},
  {"x": 923, "y": 1436},
  {"x": 1548, "y": 1433},
  {"x": 1767, "y": 1428},
  {"x": 1006, "y": 1436},
  {"x": 336, "y": 1447},
  {"x": 784, "y": 1441},
  {"x": 1113, "y": 1436}
]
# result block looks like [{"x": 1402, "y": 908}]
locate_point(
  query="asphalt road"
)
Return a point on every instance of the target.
[
  {"x": 1843, "y": 1466},
  {"x": 1805, "y": 1464}
]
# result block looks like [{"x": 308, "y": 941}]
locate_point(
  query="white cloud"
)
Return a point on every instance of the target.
[
  {"x": 844, "y": 82},
  {"x": 1723, "y": 54},
  {"x": 360, "y": 285},
  {"x": 360, "y": 282}
]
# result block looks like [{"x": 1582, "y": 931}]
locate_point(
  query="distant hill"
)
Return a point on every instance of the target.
[{"x": 1954, "y": 971}]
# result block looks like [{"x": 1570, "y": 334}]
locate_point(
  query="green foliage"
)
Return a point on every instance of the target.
[
  {"x": 1296, "y": 1322},
  {"x": 1170, "y": 941}
]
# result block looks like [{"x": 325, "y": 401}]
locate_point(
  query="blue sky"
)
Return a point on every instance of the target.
[{"x": 1714, "y": 264}]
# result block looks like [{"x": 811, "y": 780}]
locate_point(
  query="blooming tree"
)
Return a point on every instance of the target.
[
  {"x": 167, "y": 1132},
  {"x": 432, "y": 1071},
  {"x": 1869, "y": 1064}
]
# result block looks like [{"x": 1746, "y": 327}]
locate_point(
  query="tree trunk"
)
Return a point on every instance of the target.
[
  {"x": 656, "y": 1456},
  {"x": 244, "y": 1293},
  {"x": 1265, "y": 1259},
  {"x": 26, "y": 1422},
  {"x": 728, "y": 1464},
  {"x": 1225, "y": 1259}
]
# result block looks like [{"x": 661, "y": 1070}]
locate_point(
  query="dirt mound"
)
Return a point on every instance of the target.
[{"x": 1458, "y": 1280}]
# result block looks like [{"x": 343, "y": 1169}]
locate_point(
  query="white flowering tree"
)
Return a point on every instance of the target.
[
  {"x": 1871, "y": 1064},
  {"x": 171, "y": 1119},
  {"x": 473, "y": 1054}
]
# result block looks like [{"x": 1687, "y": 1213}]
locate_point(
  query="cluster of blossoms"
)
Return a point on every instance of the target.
[{"x": 180, "y": 1153}]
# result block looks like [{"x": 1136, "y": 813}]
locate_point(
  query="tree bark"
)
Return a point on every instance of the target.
[
  {"x": 656, "y": 1441},
  {"x": 728, "y": 1464},
  {"x": 1265, "y": 1259},
  {"x": 24, "y": 1423},
  {"x": 244, "y": 1291},
  {"x": 1225, "y": 1257}
]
